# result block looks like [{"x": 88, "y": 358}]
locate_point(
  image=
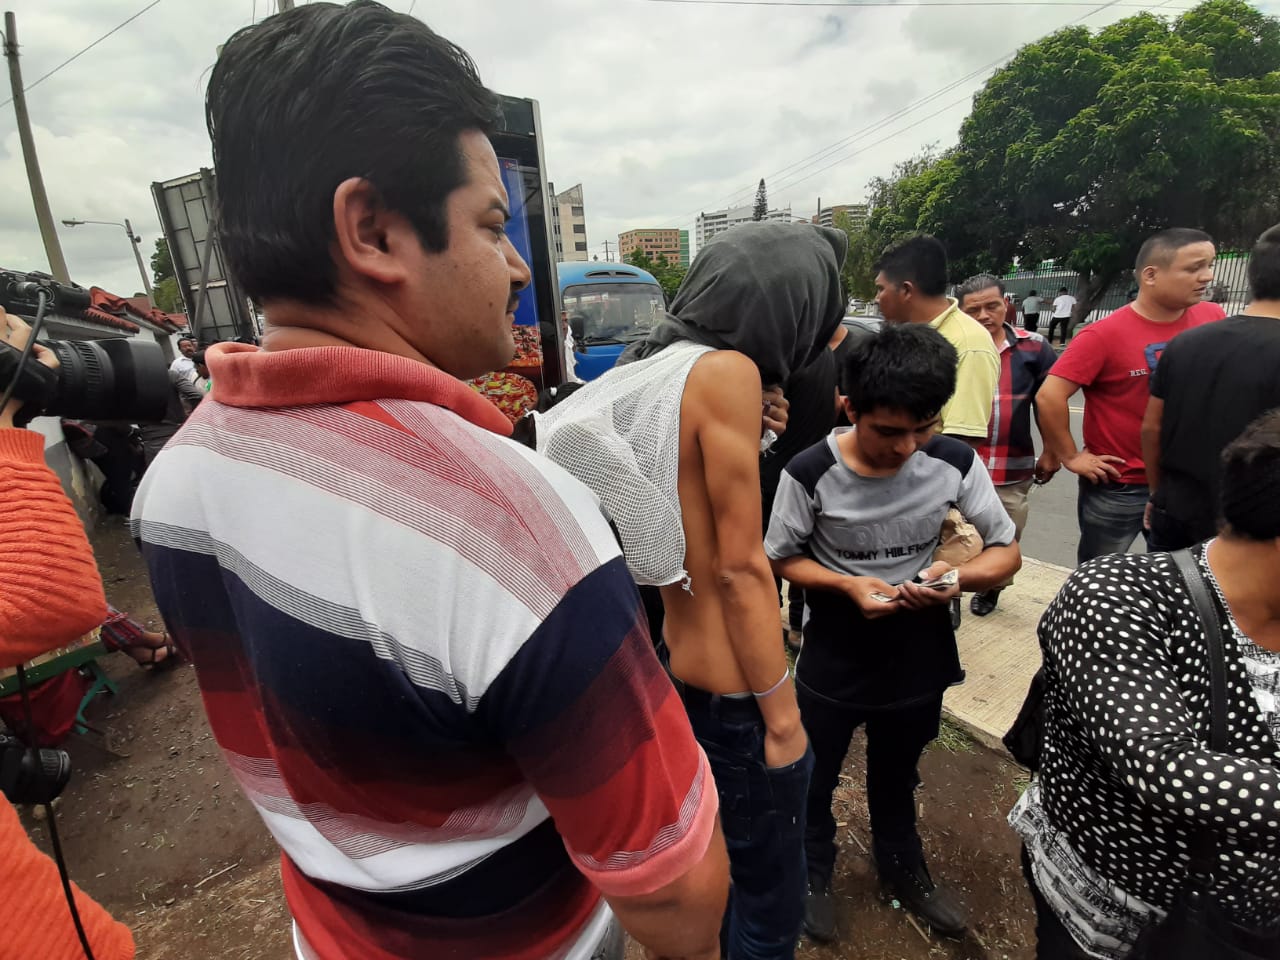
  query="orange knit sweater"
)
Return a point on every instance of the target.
[{"x": 50, "y": 593}]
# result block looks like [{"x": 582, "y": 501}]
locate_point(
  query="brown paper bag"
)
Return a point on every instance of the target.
[{"x": 959, "y": 542}]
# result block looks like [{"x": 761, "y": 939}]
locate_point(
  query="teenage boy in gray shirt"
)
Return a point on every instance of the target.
[{"x": 856, "y": 521}]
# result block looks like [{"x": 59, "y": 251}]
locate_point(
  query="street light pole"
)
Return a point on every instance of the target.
[{"x": 134, "y": 242}]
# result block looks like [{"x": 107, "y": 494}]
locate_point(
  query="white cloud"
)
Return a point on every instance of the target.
[{"x": 660, "y": 110}]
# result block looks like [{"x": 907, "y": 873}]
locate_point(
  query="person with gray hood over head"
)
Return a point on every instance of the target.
[{"x": 670, "y": 441}]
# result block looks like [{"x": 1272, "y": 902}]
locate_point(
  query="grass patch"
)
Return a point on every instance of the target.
[{"x": 952, "y": 737}]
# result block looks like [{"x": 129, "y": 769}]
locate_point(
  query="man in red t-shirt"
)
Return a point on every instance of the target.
[{"x": 1113, "y": 360}]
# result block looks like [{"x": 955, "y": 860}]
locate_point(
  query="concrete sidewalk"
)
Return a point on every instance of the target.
[{"x": 1000, "y": 653}]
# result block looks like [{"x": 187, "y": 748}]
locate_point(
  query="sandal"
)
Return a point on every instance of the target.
[{"x": 150, "y": 658}]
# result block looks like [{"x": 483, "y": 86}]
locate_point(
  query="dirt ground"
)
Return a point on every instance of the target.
[{"x": 154, "y": 827}]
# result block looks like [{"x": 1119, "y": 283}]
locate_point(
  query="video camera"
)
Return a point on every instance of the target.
[{"x": 111, "y": 379}]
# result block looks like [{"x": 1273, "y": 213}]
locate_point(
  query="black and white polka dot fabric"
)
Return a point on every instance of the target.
[{"x": 1127, "y": 779}]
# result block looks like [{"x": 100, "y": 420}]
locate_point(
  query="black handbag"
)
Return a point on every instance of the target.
[
  {"x": 1195, "y": 927},
  {"x": 1026, "y": 736}
]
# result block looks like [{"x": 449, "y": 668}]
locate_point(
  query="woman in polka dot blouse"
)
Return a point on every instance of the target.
[{"x": 1127, "y": 779}]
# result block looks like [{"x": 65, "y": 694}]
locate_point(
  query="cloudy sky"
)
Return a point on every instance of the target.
[{"x": 659, "y": 108}]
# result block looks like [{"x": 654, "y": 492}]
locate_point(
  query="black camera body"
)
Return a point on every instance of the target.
[
  {"x": 110, "y": 379},
  {"x": 31, "y": 774}
]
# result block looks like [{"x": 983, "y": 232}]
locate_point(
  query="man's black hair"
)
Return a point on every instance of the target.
[
  {"x": 921, "y": 260},
  {"x": 198, "y": 358},
  {"x": 322, "y": 93},
  {"x": 977, "y": 283},
  {"x": 1250, "y": 489},
  {"x": 1032, "y": 293},
  {"x": 1063, "y": 290},
  {"x": 1264, "y": 266},
  {"x": 909, "y": 367},
  {"x": 1160, "y": 248}
]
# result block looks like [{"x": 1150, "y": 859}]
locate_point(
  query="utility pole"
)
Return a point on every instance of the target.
[
  {"x": 52, "y": 249},
  {"x": 606, "y": 251},
  {"x": 135, "y": 241}
]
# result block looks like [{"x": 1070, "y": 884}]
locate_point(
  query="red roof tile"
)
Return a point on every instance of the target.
[{"x": 138, "y": 307}]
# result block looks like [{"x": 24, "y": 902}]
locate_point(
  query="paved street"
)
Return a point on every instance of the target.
[{"x": 1052, "y": 533}]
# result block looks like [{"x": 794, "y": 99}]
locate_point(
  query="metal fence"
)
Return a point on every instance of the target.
[{"x": 1230, "y": 286}]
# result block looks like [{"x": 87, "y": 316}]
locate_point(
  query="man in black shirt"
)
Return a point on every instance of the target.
[{"x": 1211, "y": 383}]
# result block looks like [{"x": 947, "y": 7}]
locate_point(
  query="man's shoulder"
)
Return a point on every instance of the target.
[
  {"x": 811, "y": 464},
  {"x": 1205, "y": 312},
  {"x": 405, "y": 459},
  {"x": 955, "y": 453}
]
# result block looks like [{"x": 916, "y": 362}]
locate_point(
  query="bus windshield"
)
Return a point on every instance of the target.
[{"x": 612, "y": 312}]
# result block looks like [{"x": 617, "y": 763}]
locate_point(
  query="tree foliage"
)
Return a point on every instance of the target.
[
  {"x": 165, "y": 295},
  {"x": 669, "y": 275},
  {"x": 761, "y": 210},
  {"x": 857, "y": 272},
  {"x": 161, "y": 262},
  {"x": 1085, "y": 144}
]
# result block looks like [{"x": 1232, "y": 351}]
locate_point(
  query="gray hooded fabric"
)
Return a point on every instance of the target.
[{"x": 768, "y": 290}]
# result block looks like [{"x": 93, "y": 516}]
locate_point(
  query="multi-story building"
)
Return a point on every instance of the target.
[
  {"x": 857, "y": 214},
  {"x": 667, "y": 242},
  {"x": 716, "y": 222},
  {"x": 568, "y": 223}
]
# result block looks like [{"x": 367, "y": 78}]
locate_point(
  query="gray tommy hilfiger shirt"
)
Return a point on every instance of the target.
[{"x": 884, "y": 527}]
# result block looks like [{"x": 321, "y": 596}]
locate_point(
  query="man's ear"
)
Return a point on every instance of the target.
[
  {"x": 907, "y": 287},
  {"x": 368, "y": 236}
]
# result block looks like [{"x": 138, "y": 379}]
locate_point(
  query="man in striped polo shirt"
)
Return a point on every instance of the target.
[
  {"x": 417, "y": 642},
  {"x": 1009, "y": 453}
]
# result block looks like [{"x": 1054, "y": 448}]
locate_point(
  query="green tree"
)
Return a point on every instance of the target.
[
  {"x": 165, "y": 295},
  {"x": 164, "y": 287},
  {"x": 761, "y": 210},
  {"x": 1085, "y": 144},
  {"x": 857, "y": 272},
  {"x": 161, "y": 261},
  {"x": 669, "y": 275}
]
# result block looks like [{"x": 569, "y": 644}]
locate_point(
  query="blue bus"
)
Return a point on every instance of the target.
[{"x": 607, "y": 306}]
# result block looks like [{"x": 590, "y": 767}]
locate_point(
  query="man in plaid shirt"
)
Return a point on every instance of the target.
[{"x": 1009, "y": 453}]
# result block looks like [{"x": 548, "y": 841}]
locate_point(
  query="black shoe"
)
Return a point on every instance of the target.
[
  {"x": 936, "y": 905},
  {"x": 984, "y": 603},
  {"x": 820, "y": 910},
  {"x": 955, "y": 613}
]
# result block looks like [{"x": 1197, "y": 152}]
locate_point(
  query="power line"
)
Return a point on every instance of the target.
[
  {"x": 80, "y": 53},
  {"x": 914, "y": 105},
  {"x": 854, "y": 4},
  {"x": 832, "y": 148}
]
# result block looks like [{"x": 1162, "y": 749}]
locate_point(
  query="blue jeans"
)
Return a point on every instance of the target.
[
  {"x": 762, "y": 815},
  {"x": 1110, "y": 516}
]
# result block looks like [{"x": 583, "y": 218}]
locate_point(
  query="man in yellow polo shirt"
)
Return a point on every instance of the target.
[
  {"x": 911, "y": 284},
  {"x": 911, "y": 287}
]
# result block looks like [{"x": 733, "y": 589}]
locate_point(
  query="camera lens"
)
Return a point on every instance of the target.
[
  {"x": 31, "y": 775},
  {"x": 115, "y": 379}
]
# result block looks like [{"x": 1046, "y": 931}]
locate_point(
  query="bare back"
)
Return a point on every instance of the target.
[{"x": 697, "y": 629}]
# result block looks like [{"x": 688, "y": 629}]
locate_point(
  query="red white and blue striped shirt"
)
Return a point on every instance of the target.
[
  {"x": 1009, "y": 453},
  {"x": 423, "y": 658}
]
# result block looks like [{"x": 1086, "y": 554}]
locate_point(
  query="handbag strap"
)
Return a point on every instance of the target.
[
  {"x": 1208, "y": 612},
  {"x": 1205, "y": 848}
]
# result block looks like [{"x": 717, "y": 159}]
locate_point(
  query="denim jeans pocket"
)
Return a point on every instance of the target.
[
  {"x": 733, "y": 786},
  {"x": 789, "y": 788}
]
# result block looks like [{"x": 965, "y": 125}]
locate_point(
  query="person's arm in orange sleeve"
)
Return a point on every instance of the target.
[{"x": 50, "y": 593}]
